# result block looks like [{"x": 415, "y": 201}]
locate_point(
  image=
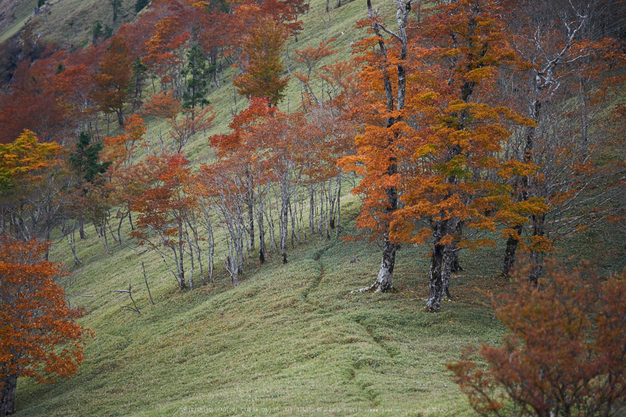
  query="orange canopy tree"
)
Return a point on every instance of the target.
[
  {"x": 454, "y": 155},
  {"x": 38, "y": 337},
  {"x": 263, "y": 46},
  {"x": 381, "y": 110},
  {"x": 113, "y": 79}
]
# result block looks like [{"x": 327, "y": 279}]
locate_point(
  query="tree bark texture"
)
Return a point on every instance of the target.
[{"x": 7, "y": 397}]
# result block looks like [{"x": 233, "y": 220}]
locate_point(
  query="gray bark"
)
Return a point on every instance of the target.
[{"x": 7, "y": 395}]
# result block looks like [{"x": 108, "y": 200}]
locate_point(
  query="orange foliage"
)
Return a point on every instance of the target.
[
  {"x": 262, "y": 46},
  {"x": 38, "y": 337}
]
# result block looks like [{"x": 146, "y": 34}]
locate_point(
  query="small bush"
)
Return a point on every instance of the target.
[{"x": 567, "y": 353}]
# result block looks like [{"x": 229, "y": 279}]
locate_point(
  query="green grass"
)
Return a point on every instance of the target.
[
  {"x": 22, "y": 12},
  {"x": 290, "y": 340}
]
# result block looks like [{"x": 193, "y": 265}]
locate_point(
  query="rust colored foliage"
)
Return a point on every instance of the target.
[
  {"x": 263, "y": 46},
  {"x": 567, "y": 353},
  {"x": 33, "y": 97},
  {"x": 163, "y": 210},
  {"x": 163, "y": 105},
  {"x": 38, "y": 337},
  {"x": 113, "y": 78}
]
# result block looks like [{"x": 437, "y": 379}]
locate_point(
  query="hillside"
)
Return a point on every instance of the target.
[
  {"x": 67, "y": 22},
  {"x": 292, "y": 339},
  {"x": 14, "y": 15}
]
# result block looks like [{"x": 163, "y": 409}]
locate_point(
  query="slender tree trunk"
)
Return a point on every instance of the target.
[
  {"x": 72, "y": 243},
  {"x": 262, "y": 247},
  {"x": 509, "y": 252},
  {"x": 250, "y": 205},
  {"x": 536, "y": 256},
  {"x": 311, "y": 209},
  {"x": 523, "y": 193},
  {"x": 181, "y": 269},
  {"x": 81, "y": 226},
  {"x": 7, "y": 397},
  {"x": 283, "y": 225}
]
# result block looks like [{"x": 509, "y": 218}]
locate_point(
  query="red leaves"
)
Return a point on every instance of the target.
[
  {"x": 113, "y": 78},
  {"x": 567, "y": 353},
  {"x": 34, "y": 317}
]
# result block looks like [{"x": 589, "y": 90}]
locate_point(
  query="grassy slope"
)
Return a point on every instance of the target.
[
  {"x": 21, "y": 13},
  {"x": 68, "y": 22},
  {"x": 289, "y": 337}
]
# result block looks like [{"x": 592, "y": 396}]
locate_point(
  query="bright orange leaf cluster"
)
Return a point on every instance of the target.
[{"x": 38, "y": 336}]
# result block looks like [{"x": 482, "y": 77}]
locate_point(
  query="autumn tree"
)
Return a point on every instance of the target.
[
  {"x": 32, "y": 103},
  {"x": 309, "y": 59},
  {"x": 163, "y": 105},
  {"x": 74, "y": 86},
  {"x": 384, "y": 75},
  {"x": 192, "y": 121},
  {"x": 127, "y": 179},
  {"x": 32, "y": 187},
  {"x": 241, "y": 148},
  {"x": 455, "y": 152},
  {"x": 566, "y": 353},
  {"x": 113, "y": 79},
  {"x": 262, "y": 47},
  {"x": 38, "y": 336},
  {"x": 163, "y": 209},
  {"x": 561, "y": 83},
  {"x": 165, "y": 57}
]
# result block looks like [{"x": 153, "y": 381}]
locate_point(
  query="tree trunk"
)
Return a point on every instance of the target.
[
  {"x": 7, "y": 397},
  {"x": 250, "y": 204},
  {"x": 436, "y": 285},
  {"x": 262, "y": 247},
  {"x": 284, "y": 218},
  {"x": 385, "y": 275},
  {"x": 440, "y": 266},
  {"x": 81, "y": 227},
  {"x": 120, "y": 117},
  {"x": 509, "y": 253},
  {"x": 181, "y": 269},
  {"x": 536, "y": 256}
]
